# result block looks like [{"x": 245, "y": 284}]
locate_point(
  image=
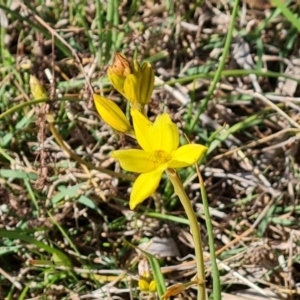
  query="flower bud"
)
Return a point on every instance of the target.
[
  {"x": 37, "y": 90},
  {"x": 147, "y": 83},
  {"x": 120, "y": 66},
  {"x": 143, "y": 285},
  {"x": 131, "y": 89},
  {"x": 152, "y": 286},
  {"x": 133, "y": 81},
  {"x": 111, "y": 113},
  {"x": 136, "y": 68},
  {"x": 118, "y": 71}
]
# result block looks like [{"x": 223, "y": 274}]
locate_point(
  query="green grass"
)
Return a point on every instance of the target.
[{"x": 66, "y": 228}]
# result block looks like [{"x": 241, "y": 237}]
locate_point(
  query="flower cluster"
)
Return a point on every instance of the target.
[
  {"x": 135, "y": 82},
  {"x": 159, "y": 140}
]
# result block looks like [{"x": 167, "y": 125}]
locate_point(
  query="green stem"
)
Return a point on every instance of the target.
[
  {"x": 220, "y": 67},
  {"x": 226, "y": 73},
  {"x": 290, "y": 16},
  {"x": 32, "y": 102},
  {"x": 213, "y": 258},
  {"x": 195, "y": 229}
]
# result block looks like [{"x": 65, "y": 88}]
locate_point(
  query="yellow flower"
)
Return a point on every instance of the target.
[
  {"x": 133, "y": 81},
  {"x": 160, "y": 151},
  {"x": 111, "y": 113}
]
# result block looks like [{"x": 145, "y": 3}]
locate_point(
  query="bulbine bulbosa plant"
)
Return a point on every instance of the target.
[{"x": 159, "y": 150}]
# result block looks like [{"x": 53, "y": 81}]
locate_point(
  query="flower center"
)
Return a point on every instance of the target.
[{"x": 160, "y": 157}]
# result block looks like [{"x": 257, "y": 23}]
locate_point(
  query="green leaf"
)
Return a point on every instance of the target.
[
  {"x": 87, "y": 202},
  {"x": 6, "y": 139},
  {"x": 293, "y": 18},
  {"x": 16, "y": 174},
  {"x": 70, "y": 192},
  {"x": 18, "y": 235},
  {"x": 26, "y": 120}
]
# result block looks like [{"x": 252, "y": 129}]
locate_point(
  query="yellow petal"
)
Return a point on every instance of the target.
[
  {"x": 144, "y": 186},
  {"x": 37, "y": 90},
  {"x": 147, "y": 83},
  {"x": 165, "y": 134},
  {"x": 143, "y": 130},
  {"x": 131, "y": 89},
  {"x": 111, "y": 113},
  {"x": 186, "y": 155},
  {"x": 134, "y": 160},
  {"x": 116, "y": 80}
]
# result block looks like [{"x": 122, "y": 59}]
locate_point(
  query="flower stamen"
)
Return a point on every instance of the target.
[{"x": 159, "y": 158}]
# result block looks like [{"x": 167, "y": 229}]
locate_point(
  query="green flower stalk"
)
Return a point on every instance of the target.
[{"x": 195, "y": 230}]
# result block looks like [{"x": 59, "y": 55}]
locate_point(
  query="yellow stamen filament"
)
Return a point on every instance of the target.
[{"x": 160, "y": 157}]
